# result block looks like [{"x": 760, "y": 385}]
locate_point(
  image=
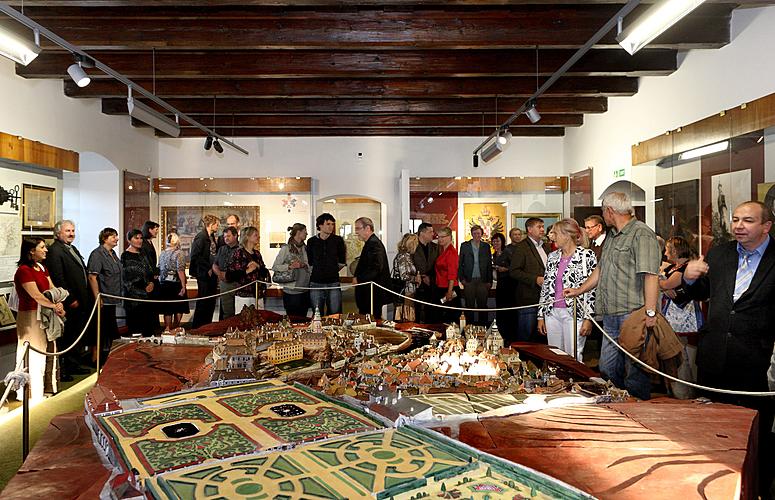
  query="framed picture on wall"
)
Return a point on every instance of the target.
[
  {"x": 187, "y": 221},
  {"x": 676, "y": 210},
  {"x": 518, "y": 220},
  {"x": 766, "y": 194},
  {"x": 39, "y": 207},
  {"x": 490, "y": 216}
]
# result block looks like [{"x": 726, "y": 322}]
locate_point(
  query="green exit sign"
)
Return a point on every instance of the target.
[{"x": 618, "y": 173}]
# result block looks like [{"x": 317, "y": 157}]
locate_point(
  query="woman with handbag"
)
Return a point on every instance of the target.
[
  {"x": 172, "y": 281},
  {"x": 291, "y": 269},
  {"x": 30, "y": 281},
  {"x": 683, "y": 313},
  {"x": 405, "y": 278},
  {"x": 247, "y": 266}
]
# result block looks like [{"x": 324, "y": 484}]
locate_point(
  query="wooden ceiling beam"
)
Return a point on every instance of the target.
[
  {"x": 365, "y": 88},
  {"x": 359, "y": 27},
  {"x": 330, "y": 3},
  {"x": 280, "y": 106},
  {"x": 220, "y": 64},
  {"x": 488, "y": 121},
  {"x": 328, "y": 132}
]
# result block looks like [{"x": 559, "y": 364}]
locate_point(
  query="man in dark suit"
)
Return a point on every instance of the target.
[
  {"x": 372, "y": 266},
  {"x": 424, "y": 260},
  {"x": 68, "y": 270},
  {"x": 475, "y": 273},
  {"x": 594, "y": 226},
  {"x": 737, "y": 340},
  {"x": 528, "y": 264},
  {"x": 203, "y": 250}
]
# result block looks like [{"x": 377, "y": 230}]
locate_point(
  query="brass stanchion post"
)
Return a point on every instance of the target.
[
  {"x": 371, "y": 287},
  {"x": 99, "y": 331},
  {"x": 26, "y": 406},
  {"x": 575, "y": 330}
]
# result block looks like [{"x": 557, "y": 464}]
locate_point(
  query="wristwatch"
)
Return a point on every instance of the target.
[{"x": 651, "y": 313}]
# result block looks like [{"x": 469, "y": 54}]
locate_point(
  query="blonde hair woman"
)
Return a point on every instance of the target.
[
  {"x": 567, "y": 267},
  {"x": 404, "y": 271},
  {"x": 172, "y": 282}
]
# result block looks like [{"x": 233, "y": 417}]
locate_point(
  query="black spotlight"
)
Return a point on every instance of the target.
[
  {"x": 476, "y": 160},
  {"x": 208, "y": 143},
  {"x": 217, "y": 146}
]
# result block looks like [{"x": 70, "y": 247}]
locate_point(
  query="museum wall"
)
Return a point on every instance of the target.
[
  {"x": 707, "y": 82},
  {"x": 38, "y": 110},
  {"x": 334, "y": 164}
]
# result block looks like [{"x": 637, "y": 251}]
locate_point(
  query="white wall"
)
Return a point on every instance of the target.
[
  {"x": 334, "y": 163},
  {"x": 93, "y": 200},
  {"x": 39, "y": 110},
  {"x": 706, "y": 82}
]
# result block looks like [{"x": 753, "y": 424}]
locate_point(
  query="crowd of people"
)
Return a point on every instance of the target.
[{"x": 615, "y": 265}]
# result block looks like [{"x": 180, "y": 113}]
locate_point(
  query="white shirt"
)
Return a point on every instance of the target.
[
  {"x": 540, "y": 247},
  {"x": 599, "y": 240}
]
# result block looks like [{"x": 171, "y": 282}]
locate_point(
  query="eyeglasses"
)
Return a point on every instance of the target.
[{"x": 591, "y": 227}]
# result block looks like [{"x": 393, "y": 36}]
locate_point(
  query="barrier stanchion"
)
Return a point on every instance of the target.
[
  {"x": 99, "y": 331},
  {"x": 575, "y": 330},
  {"x": 26, "y": 406},
  {"x": 371, "y": 290}
]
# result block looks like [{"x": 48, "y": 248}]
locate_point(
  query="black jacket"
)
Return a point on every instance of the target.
[
  {"x": 737, "y": 340},
  {"x": 324, "y": 258},
  {"x": 425, "y": 266},
  {"x": 526, "y": 266},
  {"x": 201, "y": 258},
  {"x": 372, "y": 266},
  {"x": 68, "y": 272}
]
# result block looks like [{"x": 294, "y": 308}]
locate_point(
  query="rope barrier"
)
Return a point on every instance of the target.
[
  {"x": 471, "y": 309},
  {"x": 670, "y": 377}
]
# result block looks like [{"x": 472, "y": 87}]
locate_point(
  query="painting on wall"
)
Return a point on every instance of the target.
[
  {"x": 491, "y": 216},
  {"x": 39, "y": 207},
  {"x": 518, "y": 220},
  {"x": 766, "y": 194},
  {"x": 137, "y": 202},
  {"x": 727, "y": 191},
  {"x": 676, "y": 209},
  {"x": 187, "y": 221}
]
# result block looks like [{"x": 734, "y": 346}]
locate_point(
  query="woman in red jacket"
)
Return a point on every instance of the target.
[
  {"x": 447, "y": 291},
  {"x": 31, "y": 280}
]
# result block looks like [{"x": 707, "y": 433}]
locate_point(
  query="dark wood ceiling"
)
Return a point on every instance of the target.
[{"x": 325, "y": 68}]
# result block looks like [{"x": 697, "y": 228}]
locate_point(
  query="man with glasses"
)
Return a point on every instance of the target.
[
  {"x": 595, "y": 229},
  {"x": 372, "y": 266},
  {"x": 425, "y": 261}
]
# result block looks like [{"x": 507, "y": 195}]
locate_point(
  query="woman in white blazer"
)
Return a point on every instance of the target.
[{"x": 567, "y": 267}]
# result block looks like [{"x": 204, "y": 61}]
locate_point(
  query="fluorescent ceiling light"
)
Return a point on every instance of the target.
[
  {"x": 152, "y": 117},
  {"x": 17, "y": 48},
  {"x": 705, "y": 150},
  {"x": 655, "y": 21}
]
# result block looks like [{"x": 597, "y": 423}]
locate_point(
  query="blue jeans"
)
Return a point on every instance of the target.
[
  {"x": 616, "y": 367},
  {"x": 322, "y": 298},
  {"x": 527, "y": 324}
]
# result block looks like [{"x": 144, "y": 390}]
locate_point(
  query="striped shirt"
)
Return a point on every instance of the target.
[{"x": 628, "y": 255}]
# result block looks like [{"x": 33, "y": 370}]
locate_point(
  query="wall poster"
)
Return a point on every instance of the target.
[
  {"x": 727, "y": 191},
  {"x": 39, "y": 207},
  {"x": 491, "y": 216},
  {"x": 187, "y": 221},
  {"x": 518, "y": 220}
]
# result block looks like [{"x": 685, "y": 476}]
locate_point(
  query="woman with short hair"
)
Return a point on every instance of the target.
[
  {"x": 30, "y": 281},
  {"x": 247, "y": 266},
  {"x": 567, "y": 267},
  {"x": 106, "y": 276},
  {"x": 293, "y": 258},
  {"x": 138, "y": 284},
  {"x": 172, "y": 281},
  {"x": 447, "y": 291}
]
